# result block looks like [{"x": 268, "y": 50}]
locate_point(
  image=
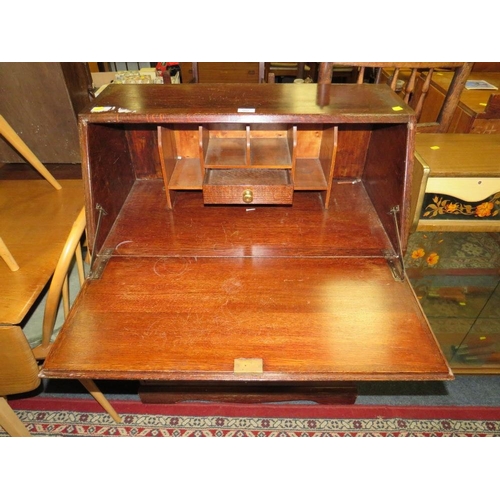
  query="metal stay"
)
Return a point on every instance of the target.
[
  {"x": 396, "y": 262},
  {"x": 95, "y": 273}
]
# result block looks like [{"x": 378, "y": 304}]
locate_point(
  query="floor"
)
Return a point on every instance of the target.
[{"x": 465, "y": 390}]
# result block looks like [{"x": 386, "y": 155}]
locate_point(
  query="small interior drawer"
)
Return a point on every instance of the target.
[{"x": 248, "y": 186}]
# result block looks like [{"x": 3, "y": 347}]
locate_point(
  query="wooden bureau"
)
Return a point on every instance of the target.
[{"x": 247, "y": 234}]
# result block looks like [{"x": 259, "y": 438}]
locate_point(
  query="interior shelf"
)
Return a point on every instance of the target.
[
  {"x": 270, "y": 153},
  {"x": 247, "y": 146},
  {"x": 307, "y": 154},
  {"x": 309, "y": 175},
  {"x": 187, "y": 174},
  {"x": 226, "y": 152}
]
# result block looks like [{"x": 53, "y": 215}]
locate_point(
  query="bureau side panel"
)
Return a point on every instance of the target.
[
  {"x": 108, "y": 175},
  {"x": 387, "y": 177}
]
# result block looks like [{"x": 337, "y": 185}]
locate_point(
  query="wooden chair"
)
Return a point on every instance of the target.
[
  {"x": 412, "y": 80},
  {"x": 18, "y": 362},
  {"x": 286, "y": 69},
  {"x": 216, "y": 72},
  {"x": 59, "y": 284}
]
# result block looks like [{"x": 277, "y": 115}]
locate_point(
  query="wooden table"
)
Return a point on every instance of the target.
[
  {"x": 475, "y": 113},
  {"x": 35, "y": 221},
  {"x": 299, "y": 290}
]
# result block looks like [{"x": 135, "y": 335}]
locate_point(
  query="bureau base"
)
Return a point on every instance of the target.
[{"x": 248, "y": 393}]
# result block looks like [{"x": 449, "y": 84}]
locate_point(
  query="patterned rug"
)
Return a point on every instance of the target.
[{"x": 83, "y": 417}]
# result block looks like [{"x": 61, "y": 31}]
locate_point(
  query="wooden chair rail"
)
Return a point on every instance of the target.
[{"x": 408, "y": 90}]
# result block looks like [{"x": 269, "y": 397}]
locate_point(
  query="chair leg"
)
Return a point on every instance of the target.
[
  {"x": 7, "y": 256},
  {"x": 8, "y": 132},
  {"x": 10, "y": 421},
  {"x": 100, "y": 398}
]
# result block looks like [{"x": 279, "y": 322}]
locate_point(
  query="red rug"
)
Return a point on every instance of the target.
[{"x": 84, "y": 417}]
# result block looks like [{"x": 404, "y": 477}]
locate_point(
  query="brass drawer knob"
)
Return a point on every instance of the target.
[{"x": 247, "y": 196}]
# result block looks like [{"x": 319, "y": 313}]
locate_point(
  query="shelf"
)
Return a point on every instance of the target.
[
  {"x": 309, "y": 175},
  {"x": 240, "y": 149},
  {"x": 226, "y": 152},
  {"x": 270, "y": 153},
  {"x": 186, "y": 175},
  {"x": 307, "y": 152}
]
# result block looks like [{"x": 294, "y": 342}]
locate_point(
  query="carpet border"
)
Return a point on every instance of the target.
[
  {"x": 289, "y": 410},
  {"x": 77, "y": 417}
]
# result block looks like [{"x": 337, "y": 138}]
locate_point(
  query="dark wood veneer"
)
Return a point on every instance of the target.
[{"x": 304, "y": 288}]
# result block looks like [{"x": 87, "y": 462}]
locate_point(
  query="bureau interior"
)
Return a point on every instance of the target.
[{"x": 321, "y": 158}]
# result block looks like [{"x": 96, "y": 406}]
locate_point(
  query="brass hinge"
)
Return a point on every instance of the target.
[
  {"x": 100, "y": 264},
  {"x": 394, "y": 263}
]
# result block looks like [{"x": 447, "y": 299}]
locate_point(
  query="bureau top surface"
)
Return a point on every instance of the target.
[{"x": 248, "y": 103}]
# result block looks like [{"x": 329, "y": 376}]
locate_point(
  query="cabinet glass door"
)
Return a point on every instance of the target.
[{"x": 455, "y": 277}]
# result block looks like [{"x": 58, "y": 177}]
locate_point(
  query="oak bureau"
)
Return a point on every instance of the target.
[{"x": 247, "y": 236}]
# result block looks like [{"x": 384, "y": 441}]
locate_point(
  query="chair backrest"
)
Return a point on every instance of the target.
[
  {"x": 59, "y": 283},
  {"x": 412, "y": 81},
  {"x": 286, "y": 69},
  {"x": 236, "y": 72}
]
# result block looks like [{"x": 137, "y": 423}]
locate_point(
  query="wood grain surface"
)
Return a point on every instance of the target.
[{"x": 35, "y": 220}]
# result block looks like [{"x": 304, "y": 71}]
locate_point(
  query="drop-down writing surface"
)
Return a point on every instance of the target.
[{"x": 186, "y": 318}]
